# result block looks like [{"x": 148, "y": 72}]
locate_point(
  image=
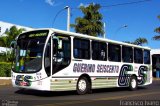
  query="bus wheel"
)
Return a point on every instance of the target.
[
  {"x": 83, "y": 86},
  {"x": 133, "y": 83}
]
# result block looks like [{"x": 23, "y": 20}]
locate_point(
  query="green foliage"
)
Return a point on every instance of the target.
[
  {"x": 11, "y": 34},
  {"x": 139, "y": 41},
  {"x": 5, "y": 69},
  {"x": 5, "y": 41},
  {"x": 2, "y": 57},
  {"x": 91, "y": 23},
  {"x": 157, "y": 30},
  {"x": 6, "y": 56},
  {"x": 128, "y": 42}
]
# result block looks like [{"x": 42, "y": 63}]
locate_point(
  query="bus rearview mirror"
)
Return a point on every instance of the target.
[{"x": 13, "y": 44}]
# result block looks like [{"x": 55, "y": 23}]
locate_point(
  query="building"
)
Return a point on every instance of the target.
[
  {"x": 4, "y": 26},
  {"x": 155, "y": 53}
]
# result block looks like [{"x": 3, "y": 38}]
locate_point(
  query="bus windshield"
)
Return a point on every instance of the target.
[{"x": 29, "y": 51}]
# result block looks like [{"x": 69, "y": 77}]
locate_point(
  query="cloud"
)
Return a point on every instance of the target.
[
  {"x": 81, "y": 4},
  {"x": 50, "y": 2}
]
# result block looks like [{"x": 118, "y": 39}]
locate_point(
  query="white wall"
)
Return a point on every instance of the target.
[
  {"x": 155, "y": 51},
  {"x": 3, "y": 49},
  {"x": 5, "y": 25}
]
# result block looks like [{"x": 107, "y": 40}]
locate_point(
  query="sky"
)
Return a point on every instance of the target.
[{"x": 140, "y": 16}]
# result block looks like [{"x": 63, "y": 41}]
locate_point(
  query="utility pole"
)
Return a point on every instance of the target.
[
  {"x": 104, "y": 26},
  {"x": 68, "y": 17}
]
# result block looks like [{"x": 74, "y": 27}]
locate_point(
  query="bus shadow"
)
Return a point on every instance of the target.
[
  {"x": 111, "y": 90},
  {"x": 67, "y": 93},
  {"x": 45, "y": 93}
]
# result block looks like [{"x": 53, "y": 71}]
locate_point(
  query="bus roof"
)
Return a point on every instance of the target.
[{"x": 91, "y": 37}]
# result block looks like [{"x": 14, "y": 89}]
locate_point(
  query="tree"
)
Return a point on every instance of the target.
[
  {"x": 139, "y": 41},
  {"x": 91, "y": 23},
  {"x": 6, "y": 40},
  {"x": 128, "y": 42},
  {"x": 11, "y": 34},
  {"x": 157, "y": 30}
]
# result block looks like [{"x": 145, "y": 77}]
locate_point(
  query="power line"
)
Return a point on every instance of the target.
[
  {"x": 121, "y": 4},
  {"x": 57, "y": 16},
  {"x": 127, "y": 3}
]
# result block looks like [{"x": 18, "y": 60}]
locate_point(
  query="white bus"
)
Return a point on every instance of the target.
[{"x": 56, "y": 60}]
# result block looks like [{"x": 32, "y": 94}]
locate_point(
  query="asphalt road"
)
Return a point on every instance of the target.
[{"x": 144, "y": 96}]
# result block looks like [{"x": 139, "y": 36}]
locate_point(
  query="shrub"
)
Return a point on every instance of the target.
[{"x": 5, "y": 69}]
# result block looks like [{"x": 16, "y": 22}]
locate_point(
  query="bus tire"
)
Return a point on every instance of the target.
[
  {"x": 133, "y": 83},
  {"x": 83, "y": 86}
]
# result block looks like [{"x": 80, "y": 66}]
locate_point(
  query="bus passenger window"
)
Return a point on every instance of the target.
[
  {"x": 138, "y": 55},
  {"x": 99, "y": 50},
  {"x": 146, "y": 56},
  {"x": 114, "y": 52},
  {"x": 55, "y": 46},
  {"x": 127, "y": 54},
  {"x": 81, "y": 48},
  {"x": 61, "y": 52}
]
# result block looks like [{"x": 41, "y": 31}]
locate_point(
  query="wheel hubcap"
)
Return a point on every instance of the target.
[
  {"x": 82, "y": 85},
  {"x": 133, "y": 83}
]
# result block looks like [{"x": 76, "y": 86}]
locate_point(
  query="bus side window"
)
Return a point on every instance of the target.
[
  {"x": 138, "y": 55},
  {"x": 81, "y": 48},
  {"x": 66, "y": 51},
  {"x": 146, "y": 56},
  {"x": 127, "y": 54},
  {"x": 75, "y": 52},
  {"x": 114, "y": 52},
  {"x": 55, "y": 47},
  {"x": 99, "y": 50}
]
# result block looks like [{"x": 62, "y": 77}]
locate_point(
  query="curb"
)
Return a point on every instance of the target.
[
  {"x": 156, "y": 79},
  {"x": 5, "y": 78},
  {"x": 4, "y": 84},
  {"x": 5, "y": 81}
]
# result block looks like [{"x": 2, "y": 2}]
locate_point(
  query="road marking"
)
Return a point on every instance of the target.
[{"x": 93, "y": 100}]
